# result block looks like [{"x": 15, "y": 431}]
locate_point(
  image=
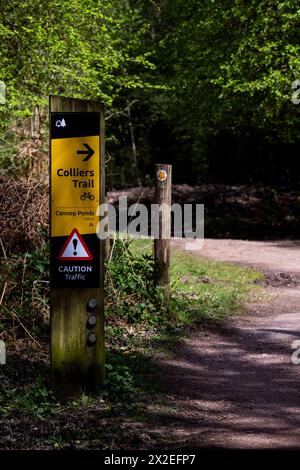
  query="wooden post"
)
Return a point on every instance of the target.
[
  {"x": 163, "y": 174},
  {"x": 77, "y": 307}
]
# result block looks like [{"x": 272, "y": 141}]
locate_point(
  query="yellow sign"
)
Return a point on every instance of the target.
[
  {"x": 75, "y": 185},
  {"x": 162, "y": 175}
]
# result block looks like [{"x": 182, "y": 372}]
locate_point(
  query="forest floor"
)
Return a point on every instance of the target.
[{"x": 228, "y": 384}]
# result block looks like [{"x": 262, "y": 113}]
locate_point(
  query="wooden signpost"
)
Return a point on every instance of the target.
[
  {"x": 163, "y": 188},
  {"x": 77, "y": 269}
]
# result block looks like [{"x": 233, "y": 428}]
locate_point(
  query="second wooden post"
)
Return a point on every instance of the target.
[{"x": 163, "y": 174}]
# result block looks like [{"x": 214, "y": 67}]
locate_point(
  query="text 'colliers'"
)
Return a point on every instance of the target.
[{"x": 75, "y": 172}]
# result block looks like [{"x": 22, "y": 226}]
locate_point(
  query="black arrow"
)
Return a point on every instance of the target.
[{"x": 89, "y": 152}]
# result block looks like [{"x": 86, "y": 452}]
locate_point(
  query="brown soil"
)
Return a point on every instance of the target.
[
  {"x": 252, "y": 212},
  {"x": 235, "y": 386}
]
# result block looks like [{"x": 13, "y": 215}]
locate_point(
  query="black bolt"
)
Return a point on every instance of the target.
[
  {"x": 91, "y": 339},
  {"x": 91, "y": 305},
  {"x": 91, "y": 322}
]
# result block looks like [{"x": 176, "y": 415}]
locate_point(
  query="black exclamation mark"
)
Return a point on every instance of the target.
[{"x": 75, "y": 242}]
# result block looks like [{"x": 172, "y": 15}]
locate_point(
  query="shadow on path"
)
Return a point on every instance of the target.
[{"x": 231, "y": 387}]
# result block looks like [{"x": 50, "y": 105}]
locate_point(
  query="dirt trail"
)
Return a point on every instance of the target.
[{"x": 236, "y": 386}]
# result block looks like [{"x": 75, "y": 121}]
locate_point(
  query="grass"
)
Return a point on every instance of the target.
[{"x": 202, "y": 289}]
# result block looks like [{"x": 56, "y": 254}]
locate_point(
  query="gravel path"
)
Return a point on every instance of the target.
[{"x": 235, "y": 386}]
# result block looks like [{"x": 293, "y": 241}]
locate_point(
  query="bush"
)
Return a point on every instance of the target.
[
  {"x": 130, "y": 290},
  {"x": 24, "y": 214}
]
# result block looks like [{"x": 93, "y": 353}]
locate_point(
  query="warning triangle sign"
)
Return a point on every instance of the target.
[{"x": 75, "y": 249}]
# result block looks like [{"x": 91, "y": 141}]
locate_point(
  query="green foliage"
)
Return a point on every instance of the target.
[
  {"x": 118, "y": 378},
  {"x": 223, "y": 110},
  {"x": 190, "y": 74},
  {"x": 38, "y": 260},
  {"x": 131, "y": 291},
  {"x": 86, "y": 49},
  {"x": 34, "y": 399},
  {"x": 236, "y": 60}
]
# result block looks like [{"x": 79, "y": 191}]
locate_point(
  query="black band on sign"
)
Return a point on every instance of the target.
[{"x": 65, "y": 125}]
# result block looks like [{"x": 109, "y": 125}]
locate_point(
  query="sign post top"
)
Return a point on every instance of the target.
[{"x": 76, "y": 105}]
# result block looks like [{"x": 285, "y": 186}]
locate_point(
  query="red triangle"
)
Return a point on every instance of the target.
[{"x": 75, "y": 258}]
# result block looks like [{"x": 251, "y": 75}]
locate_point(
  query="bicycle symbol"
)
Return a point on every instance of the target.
[{"x": 85, "y": 196}]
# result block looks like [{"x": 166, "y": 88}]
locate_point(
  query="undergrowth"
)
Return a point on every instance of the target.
[
  {"x": 35, "y": 399},
  {"x": 131, "y": 294},
  {"x": 201, "y": 290}
]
